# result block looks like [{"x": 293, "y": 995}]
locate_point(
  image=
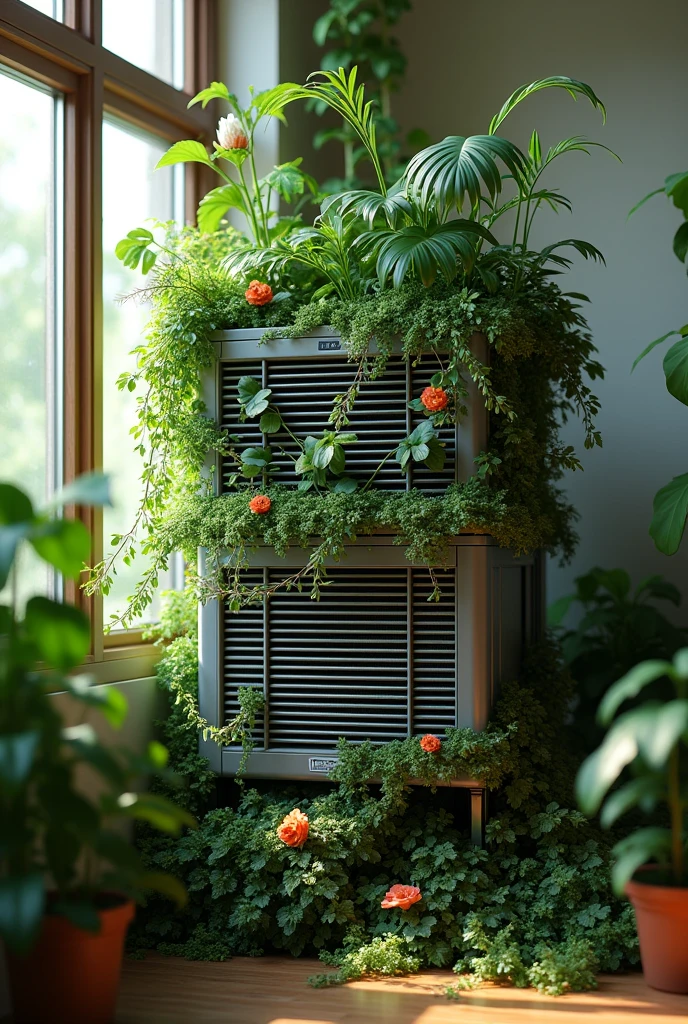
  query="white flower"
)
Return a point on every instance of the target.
[{"x": 231, "y": 134}]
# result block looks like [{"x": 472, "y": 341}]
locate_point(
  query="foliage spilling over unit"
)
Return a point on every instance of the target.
[
  {"x": 420, "y": 259},
  {"x": 534, "y": 907}
]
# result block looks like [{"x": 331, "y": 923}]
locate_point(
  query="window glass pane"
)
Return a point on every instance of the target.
[
  {"x": 53, "y": 8},
  {"x": 30, "y": 441},
  {"x": 132, "y": 193},
  {"x": 149, "y": 34}
]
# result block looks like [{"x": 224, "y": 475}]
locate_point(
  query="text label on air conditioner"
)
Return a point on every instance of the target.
[
  {"x": 322, "y": 764},
  {"x": 329, "y": 345}
]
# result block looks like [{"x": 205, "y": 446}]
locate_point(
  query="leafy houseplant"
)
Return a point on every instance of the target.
[
  {"x": 652, "y": 741},
  {"x": 671, "y": 501},
  {"x": 418, "y": 260},
  {"x": 358, "y": 33},
  {"x": 619, "y": 628},
  {"x": 67, "y": 877}
]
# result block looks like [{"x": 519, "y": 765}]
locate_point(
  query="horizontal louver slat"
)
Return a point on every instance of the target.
[
  {"x": 434, "y": 652},
  {"x": 304, "y": 391},
  {"x": 243, "y": 661}
]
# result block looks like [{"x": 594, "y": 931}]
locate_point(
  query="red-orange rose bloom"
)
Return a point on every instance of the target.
[
  {"x": 294, "y": 829},
  {"x": 402, "y": 896},
  {"x": 260, "y": 504},
  {"x": 258, "y": 294},
  {"x": 430, "y": 743},
  {"x": 434, "y": 399}
]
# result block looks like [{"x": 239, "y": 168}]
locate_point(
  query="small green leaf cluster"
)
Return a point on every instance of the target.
[{"x": 529, "y": 908}]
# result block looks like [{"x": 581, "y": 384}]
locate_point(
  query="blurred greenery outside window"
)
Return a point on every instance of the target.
[
  {"x": 133, "y": 192},
  {"x": 31, "y": 264}
]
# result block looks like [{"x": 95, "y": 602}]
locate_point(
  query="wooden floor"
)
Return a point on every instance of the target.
[{"x": 272, "y": 990}]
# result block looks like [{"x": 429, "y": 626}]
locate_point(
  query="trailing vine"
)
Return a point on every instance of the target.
[
  {"x": 541, "y": 358},
  {"x": 535, "y": 907}
]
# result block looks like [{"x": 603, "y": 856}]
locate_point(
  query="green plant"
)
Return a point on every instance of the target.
[
  {"x": 359, "y": 33},
  {"x": 651, "y": 739},
  {"x": 619, "y": 627},
  {"x": 49, "y": 828},
  {"x": 409, "y": 230},
  {"x": 670, "y": 509},
  {"x": 544, "y": 872}
]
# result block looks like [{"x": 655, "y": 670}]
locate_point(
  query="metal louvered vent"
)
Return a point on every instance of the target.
[
  {"x": 371, "y": 660},
  {"x": 243, "y": 653},
  {"x": 304, "y": 391}
]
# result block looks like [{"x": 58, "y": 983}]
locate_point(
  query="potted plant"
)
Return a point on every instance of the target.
[
  {"x": 650, "y": 739},
  {"x": 68, "y": 876},
  {"x": 670, "y": 509}
]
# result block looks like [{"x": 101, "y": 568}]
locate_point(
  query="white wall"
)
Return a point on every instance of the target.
[{"x": 464, "y": 60}]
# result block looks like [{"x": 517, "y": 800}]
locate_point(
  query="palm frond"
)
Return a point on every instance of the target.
[
  {"x": 339, "y": 91},
  {"x": 426, "y": 251},
  {"x": 586, "y": 249},
  {"x": 458, "y": 166},
  {"x": 572, "y": 86},
  {"x": 367, "y": 204}
]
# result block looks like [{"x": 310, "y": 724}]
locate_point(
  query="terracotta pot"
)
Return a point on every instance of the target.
[
  {"x": 71, "y": 976},
  {"x": 661, "y": 913}
]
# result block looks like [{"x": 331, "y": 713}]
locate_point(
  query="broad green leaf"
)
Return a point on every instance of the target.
[
  {"x": 247, "y": 388},
  {"x": 60, "y": 632},
  {"x": 15, "y": 506},
  {"x": 158, "y": 811},
  {"x": 676, "y": 369},
  {"x": 166, "y": 885},
  {"x": 670, "y": 508},
  {"x": 558, "y": 609},
  {"x": 88, "y": 489},
  {"x": 636, "y": 850},
  {"x": 215, "y": 205},
  {"x": 643, "y": 791},
  {"x": 680, "y": 243},
  {"x": 257, "y": 457},
  {"x": 270, "y": 422},
  {"x": 660, "y": 730},
  {"x": 676, "y": 187},
  {"x": 16, "y": 756},
  {"x": 215, "y": 91},
  {"x": 22, "y": 900},
  {"x": 80, "y": 913},
  {"x": 457, "y": 168},
  {"x": 63, "y": 543},
  {"x": 258, "y": 403},
  {"x": 110, "y": 701},
  {"x": 630, "y": 686},
  {"x": 346, "y": 485},
  {"x": 185, "y": 152},
  {"x": 653, "y": 344},
  {"x": 322, "y": 455}
]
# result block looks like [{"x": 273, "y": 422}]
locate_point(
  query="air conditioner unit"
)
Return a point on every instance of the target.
[{"x": 373, "y": 658}]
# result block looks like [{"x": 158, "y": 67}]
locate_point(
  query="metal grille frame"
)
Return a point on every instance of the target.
[{"x": 432, "y": 687}]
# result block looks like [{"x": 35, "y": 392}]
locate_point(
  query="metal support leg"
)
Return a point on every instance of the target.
[{"x": 478, "y": 815}]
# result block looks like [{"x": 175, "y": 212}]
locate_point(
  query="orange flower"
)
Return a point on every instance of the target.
[
  {"x": 434, "y": 399},
  {"x": 260, "y": 504},
  {"x": 402, "y": 896},
  {"x": 430, "y": 744},
  {"x": 258, "y": 294},
  {"x": 294, "y": 829}
]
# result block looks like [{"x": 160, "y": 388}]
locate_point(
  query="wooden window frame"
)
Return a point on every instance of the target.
[{"x": 70, "y": 58}]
